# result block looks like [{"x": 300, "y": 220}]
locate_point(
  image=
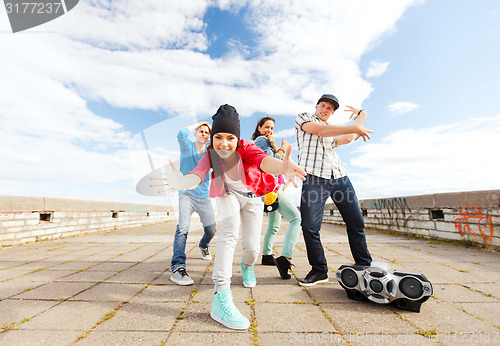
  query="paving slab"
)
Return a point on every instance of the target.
[
  {"x": 8, "y": 274},
  {"x": 282, "y": 293},
  {"x": 75, "y": 265},
  {"x": 150, "y": 266},
  {"x": 46, "y": 275},
  {"x": 87, "y": 276},
  {"x": 129, "y": 276},
  {"x": 9, "y": 265},
  {"x": 389, "y": 339},
  {"x": 366, "y": 318},
  {"x": 69, "y": 315},
  {"x": 15, "y": 311},
  {"x": 460, "y": 294},
  {"x": 112, "y": 266},
  {"x": 39, "y": 337},
  {"x": 487, "y": 289},
  {"x": 54, "y": 291},
  {"x": 482, "y": 310},
  {"x": 242, "y": 338},
  {"x": 290, "y": 318},
  {"x": 298, "y": 338},
  {"x": 109, "y": 292},
  {"x": 443, "y": 317},
  {"x": 164, "y": 293},
  {"x": 143, "y": 316},
  {"x": 14, "y": 287},
  {"x": 330, "y": 292},
  {"x": 120, "y": 338}
]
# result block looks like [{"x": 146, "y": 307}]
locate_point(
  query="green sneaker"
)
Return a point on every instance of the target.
[
  {"x": 224, "y": 311},
  {"x": 249, "y": 279}
]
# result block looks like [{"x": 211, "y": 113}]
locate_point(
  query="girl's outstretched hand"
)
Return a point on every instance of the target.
[
  {"x": 292, "y": 169},
  {"x": 175, "y": 181}
]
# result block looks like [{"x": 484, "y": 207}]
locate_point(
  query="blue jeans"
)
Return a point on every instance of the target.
[
  {"x": 187, "y": 206},
  {"x": 315, "y": 192}
]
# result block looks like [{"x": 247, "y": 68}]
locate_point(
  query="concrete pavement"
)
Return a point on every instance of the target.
[{"x": 113, "y": 288}]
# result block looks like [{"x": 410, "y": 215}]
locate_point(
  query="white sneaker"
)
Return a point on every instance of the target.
[
  {"x": 182, "y": 278},
  {"x": 205, "y": 254}
]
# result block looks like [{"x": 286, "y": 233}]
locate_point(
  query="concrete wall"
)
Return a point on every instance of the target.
[
  {"x": 27, "y": 219},
  {"x": 472, "y": 216}
]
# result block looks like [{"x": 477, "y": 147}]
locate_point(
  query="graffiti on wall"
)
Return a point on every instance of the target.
[
  {"x": 11, "y": 214},
  {"x": 392, "y": 211},
  {"x": 474, "y": 223}
]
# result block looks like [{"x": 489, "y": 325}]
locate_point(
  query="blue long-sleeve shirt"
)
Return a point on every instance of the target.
[{"x": 189, "y": 160}]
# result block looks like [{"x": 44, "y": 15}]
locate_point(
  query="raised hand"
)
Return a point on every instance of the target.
[
  {"x": 362, "y": 132},
  {"x": 271, "y": 140},
  {"x": 284, "y": 143},
  {"x": 204, "y": 123},
  {"x": 355, "y": 112}
]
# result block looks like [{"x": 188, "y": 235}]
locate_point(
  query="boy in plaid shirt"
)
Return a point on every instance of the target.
[{"x": 326, "y": 177}]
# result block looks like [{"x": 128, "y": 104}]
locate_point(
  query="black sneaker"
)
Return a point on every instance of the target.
[
  {"x": 283, "y": 265},
  {"x": 314, "y": 277},
  {"x": 267, "y": 260}
]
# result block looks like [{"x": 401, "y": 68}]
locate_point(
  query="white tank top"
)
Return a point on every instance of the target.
[{"x": 235, "y": 184}]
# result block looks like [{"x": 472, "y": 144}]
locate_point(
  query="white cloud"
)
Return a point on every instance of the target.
[
  {"x": 130, "y": 24},
  {"x": 145, "y": 55},
  {"x": 285, "y": 133},
  {"x": 376, "y": 69},
  {"x": 438, "y": 159},
  {"x": 399, "y": 108}
]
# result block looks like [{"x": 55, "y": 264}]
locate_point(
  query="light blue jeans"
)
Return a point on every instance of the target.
[
  {"x": 292, "y": 215},
  {"x": 188, "y": 205}
]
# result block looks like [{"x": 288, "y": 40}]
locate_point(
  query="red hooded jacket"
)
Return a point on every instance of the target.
[{"x": 249, "y": 170}]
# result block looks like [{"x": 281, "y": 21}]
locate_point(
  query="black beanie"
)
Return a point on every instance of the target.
[{"x": 226, "y": 120}]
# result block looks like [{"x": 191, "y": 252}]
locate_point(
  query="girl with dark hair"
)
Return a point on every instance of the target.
[
  {"x": 241, "y": 174},
  {"x": 264, "y": 139},
  {"x": 261, "y": 123}
]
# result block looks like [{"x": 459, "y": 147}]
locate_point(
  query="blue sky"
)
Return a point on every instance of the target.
[{"x": 77, "y": 93}]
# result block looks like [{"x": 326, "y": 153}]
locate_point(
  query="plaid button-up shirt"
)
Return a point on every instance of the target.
[{"x": 316, "y": 154}]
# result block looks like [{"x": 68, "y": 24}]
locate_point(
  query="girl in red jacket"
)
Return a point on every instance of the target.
[{"x": 241, "y": 174}]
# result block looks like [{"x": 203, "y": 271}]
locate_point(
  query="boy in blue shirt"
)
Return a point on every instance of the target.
[{"x": 191, "y": 201}]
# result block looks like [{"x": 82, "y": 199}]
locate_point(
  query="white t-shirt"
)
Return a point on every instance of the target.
[{"x": 235, "y": 184}]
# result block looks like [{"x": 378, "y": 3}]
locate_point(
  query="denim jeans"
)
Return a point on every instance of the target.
[
  {"x": 189, "y": 204},
  {"x": 287, "y": 208},
  {"x": 315, "y": 192}
]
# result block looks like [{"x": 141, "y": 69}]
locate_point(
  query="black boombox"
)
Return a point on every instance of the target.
[{"x": 382, "y": 285}]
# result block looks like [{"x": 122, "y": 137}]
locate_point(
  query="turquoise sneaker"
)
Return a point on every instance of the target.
[
  {"x": 224, "y": 311},
  {"x": 249, "y": 279}
]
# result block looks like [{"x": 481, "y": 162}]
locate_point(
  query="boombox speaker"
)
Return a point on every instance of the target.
[{"x": 382, "y": 285}]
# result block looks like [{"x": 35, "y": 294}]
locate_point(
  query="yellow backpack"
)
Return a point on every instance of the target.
[{"x": 270, "y": 202}]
